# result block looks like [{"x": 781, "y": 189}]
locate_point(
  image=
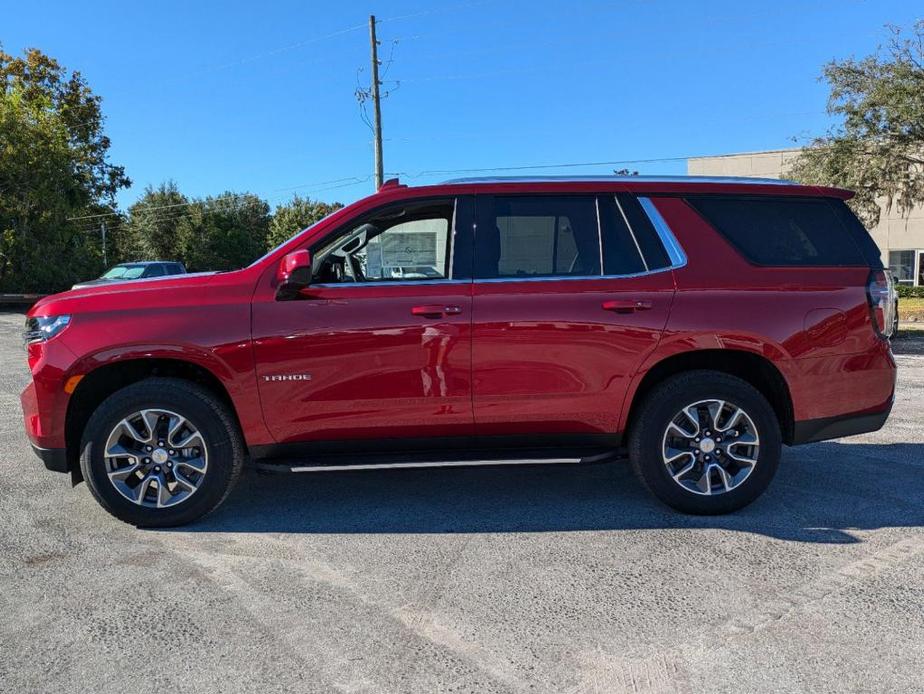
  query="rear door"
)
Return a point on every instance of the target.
[{"x": 569, "y": 297}]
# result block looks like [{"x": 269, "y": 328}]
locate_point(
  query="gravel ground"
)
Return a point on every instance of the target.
[{"x": 542, "y": 579}]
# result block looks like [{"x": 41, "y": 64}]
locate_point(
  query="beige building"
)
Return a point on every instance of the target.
[{"x": 901, "y": 239}]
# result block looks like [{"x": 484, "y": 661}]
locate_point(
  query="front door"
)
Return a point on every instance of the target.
[
  {"x": 566, "y": 306},
  {"x": 381, "y": 345}
]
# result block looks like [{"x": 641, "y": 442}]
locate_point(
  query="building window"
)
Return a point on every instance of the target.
[{"x": 902, "y": 265}]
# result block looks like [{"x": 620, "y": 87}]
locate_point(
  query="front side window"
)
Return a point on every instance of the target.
[
  {"x": 542, "y": 236},
  {"x": 901, "y": 265},
  {"x": 403, "y": 243}
]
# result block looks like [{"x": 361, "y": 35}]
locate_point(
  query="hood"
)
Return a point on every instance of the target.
[
  {"x": 100, "y": 295},
  {"x": 91, "y": 283}
]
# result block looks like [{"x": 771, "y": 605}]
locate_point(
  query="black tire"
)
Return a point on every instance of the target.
[
  {"x": 210, "y": 416},
  {"x": 664, "y": 402}
]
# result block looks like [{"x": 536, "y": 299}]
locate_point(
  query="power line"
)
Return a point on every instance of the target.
[
  {"x": 277, "y": 51},
  {"x": 233, "y": 196},
  {"x": 566, "y": 165},
  {"x": 150, "y": 214},
  {"x": 347, "y": 182},
  {"x": 325, "y": 37},
  {"x": 437, "y": 10}
]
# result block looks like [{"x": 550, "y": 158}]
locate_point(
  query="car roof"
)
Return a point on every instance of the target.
[
  {"x": 654, "y": 185},
  {"x": 149, "y": 262}
]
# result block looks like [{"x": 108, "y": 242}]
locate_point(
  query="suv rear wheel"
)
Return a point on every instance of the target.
[
  {"x": 161, "y": 452},
  {"x": 705, "y": 442}
]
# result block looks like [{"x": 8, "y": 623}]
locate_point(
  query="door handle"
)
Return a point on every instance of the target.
[
  {"x": 436, "y": 310},
  {"x": 626, "y": 305}
]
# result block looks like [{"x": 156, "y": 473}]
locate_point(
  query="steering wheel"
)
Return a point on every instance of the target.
[{"x": 357, "y": 268}]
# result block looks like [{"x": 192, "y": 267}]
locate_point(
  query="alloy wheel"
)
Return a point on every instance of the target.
[
  {"x": 156, "y": 458},
  {"x": 710, "y": 447}
]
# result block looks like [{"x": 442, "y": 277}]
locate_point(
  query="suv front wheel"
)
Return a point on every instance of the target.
[
  {"x": 161, "y": 452},
  {"x": 705, "y": 442}
]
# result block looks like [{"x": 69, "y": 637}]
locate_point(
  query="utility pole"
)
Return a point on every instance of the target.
[
  {"x": 376, "y": 106},
  {"x": 102, "y": 232}
]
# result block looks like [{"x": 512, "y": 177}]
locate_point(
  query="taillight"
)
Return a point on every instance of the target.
[{"x": 881, "y": 297}]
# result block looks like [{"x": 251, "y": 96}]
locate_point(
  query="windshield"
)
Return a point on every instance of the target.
[{"x": 124, "y": 272}]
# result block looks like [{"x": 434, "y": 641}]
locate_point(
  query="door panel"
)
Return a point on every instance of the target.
[
  {"x": 381, "y": 348},
  {"x": 365, "y": 364},
  {"x": 549, "y": 356}
]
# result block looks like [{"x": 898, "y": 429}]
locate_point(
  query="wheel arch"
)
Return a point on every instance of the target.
[
  {"x": 104, "y": 380},
  {"x": 751, "y": 367}
]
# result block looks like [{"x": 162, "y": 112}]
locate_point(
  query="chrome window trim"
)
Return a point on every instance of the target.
[
  {"x": 492, "y": 280},
  {"x": 387, "y": 283},
  {"x": 632, "y": 234},
  {"x": 585, "y": 278},
  {"x": 674, "y": 250},
  {"x": 599, "y": 231},
  {"x": 451, "y": 233}
]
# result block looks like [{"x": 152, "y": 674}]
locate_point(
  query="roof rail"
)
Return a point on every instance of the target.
[{"x": 624, "y": 179}]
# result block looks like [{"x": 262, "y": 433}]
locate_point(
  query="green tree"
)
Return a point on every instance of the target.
[
  {"x": 225, "y": 232},
  {"x": 53, "y": 168},
  {"x": 297, "y": 214},
  {"x": 878, "y": 150},
  {"x": 152, "y": 229}
]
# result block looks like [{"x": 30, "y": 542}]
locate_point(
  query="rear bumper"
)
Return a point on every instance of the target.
[
  {"x": 826, "y": 428},
  {"x": 55, "y": 459}
]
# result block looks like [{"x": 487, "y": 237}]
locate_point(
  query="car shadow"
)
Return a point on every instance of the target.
[{"x": 822, "y": 493}]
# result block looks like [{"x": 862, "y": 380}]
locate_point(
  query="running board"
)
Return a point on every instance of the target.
[
  {"x": 434, "y": 463},
  {"x": 346, "y": 462}
]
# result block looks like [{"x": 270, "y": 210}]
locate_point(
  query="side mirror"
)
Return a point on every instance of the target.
[{"x": 293, "y": 274}]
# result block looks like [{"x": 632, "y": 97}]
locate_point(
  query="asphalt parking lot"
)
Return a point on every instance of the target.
[{"x": 536, "y": 579}]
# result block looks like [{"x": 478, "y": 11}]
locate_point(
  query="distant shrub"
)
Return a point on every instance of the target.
[{"x": 906, "y": 291}]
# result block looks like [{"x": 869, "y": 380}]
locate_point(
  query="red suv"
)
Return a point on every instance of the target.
[{"x": 696, "y": 324}]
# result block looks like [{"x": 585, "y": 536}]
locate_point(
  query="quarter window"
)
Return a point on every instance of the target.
[
  {"x": 644, "y": 232},
  {"x": 542, "y": 236},
  {"x": 782, "y": 231},
  {"x": 621, "y": 253}
]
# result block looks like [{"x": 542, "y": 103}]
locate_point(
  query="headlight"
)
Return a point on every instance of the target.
[{"x": 41, "y": 328}]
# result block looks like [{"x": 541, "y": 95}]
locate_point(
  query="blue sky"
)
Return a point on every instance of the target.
[{"x": 260, "y": 96}]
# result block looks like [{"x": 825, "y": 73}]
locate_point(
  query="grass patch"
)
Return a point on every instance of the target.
[{"x": 911, "y": 308}]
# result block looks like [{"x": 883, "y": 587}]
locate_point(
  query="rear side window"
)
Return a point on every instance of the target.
[
  {"x": 541, "y": 236},
  {"x": 860, "y": 235},
  {"x": 782, "y": 231}
]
